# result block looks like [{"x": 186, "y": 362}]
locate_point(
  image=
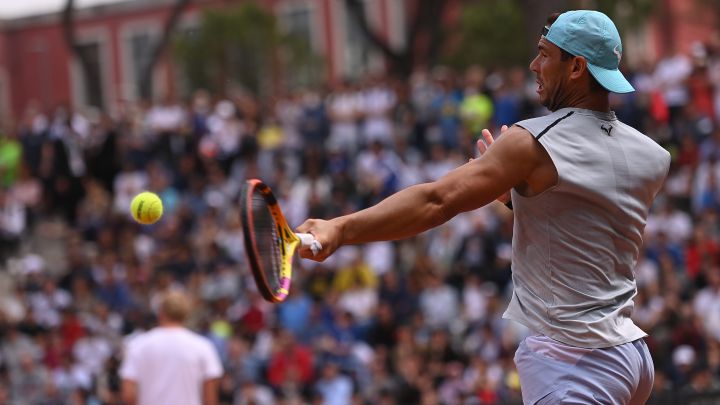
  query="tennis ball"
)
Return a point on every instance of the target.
[{"x": 146, "y": 208}]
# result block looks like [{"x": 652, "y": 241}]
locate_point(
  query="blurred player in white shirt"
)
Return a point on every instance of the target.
[{"x": 170, "y": 364}]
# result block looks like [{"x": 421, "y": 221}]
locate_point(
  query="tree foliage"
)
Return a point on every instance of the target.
[
  {"x": 627, "y": 14},
  {"x": 490, "y": 34},
  {"x": 424, "y": 36},
  {"x": 241, "y": 46},
  {"x": 505, "y": 32}
]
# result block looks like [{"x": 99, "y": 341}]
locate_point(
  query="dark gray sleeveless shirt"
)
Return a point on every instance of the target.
[{"x": 575, "y": 246}]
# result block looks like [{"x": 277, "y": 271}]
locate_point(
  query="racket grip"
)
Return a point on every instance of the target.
[{"x": 306, "y": 239}]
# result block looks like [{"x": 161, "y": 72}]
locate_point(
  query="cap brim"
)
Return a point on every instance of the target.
[{"x": 612, "y": 80}]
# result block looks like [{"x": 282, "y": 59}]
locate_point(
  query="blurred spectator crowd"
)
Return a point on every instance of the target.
[{"x": 410, "y": 322}]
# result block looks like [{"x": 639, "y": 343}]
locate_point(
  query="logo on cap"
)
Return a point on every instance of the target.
[{"x": 617, "y": 53}]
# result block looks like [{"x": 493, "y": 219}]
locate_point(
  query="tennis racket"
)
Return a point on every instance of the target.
[{"x": 269, "y": 241}]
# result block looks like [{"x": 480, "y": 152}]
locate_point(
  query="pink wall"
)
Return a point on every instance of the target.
[
  {"x": 34, "y": 53},
  {"x": 37, "y": 63},
  {"x": 682, "y": 24}
]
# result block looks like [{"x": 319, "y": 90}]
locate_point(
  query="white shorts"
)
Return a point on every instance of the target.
[{"x": 555, "y": 373}]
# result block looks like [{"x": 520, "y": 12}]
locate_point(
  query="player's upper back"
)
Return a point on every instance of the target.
[
  {"x": 576, "y": 244},
  {"x": 596, "y": 152},
  {"x": 169, "y": 365},
  {"x": 162, "y": 341}
]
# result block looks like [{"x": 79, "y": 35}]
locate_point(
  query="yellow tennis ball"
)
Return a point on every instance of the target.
[{"x": 146, "y": 208}]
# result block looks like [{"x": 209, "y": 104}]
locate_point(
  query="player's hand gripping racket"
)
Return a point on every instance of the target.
[{"x": 269, "y": 241}]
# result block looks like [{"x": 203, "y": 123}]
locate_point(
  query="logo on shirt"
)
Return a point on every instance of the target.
[{"x": 606, "y": 128}]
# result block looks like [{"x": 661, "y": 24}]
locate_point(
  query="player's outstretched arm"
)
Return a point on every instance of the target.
[{"x": 510, "y": 160}]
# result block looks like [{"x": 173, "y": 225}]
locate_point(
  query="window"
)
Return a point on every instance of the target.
[
  {"x": 141, "y": 45},
  {"x": 92, "y": 88},
  {"x": 358, "y": 55},
  {"x": 302, "y": 65},
  {"x": 185, "y": 75},
  {"x": 92, "y": 70},
  {"x": 297, "y": 23}
]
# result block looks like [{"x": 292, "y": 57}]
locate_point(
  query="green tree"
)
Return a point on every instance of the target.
[
  {"x": 242, "y": 45},
  {"x": 627, "y": 14},
  {"x": 423, "y": 38},
  {"x": 490, "y": 34},
  {"x": 505, "y": 32}
]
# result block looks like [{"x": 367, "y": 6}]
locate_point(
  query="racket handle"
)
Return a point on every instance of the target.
[{"x": 306, "y": 239}]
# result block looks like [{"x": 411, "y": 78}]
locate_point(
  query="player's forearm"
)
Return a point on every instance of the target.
[
  {"x": 210, "y": 391},
  {"x": 402, "y": 215}
]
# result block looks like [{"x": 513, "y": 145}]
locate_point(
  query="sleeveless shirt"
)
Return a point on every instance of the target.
[{"x": 575, "y": 246}]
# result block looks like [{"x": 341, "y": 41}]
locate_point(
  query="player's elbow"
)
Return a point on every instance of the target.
[
  {"x": 453, "y": 194},
  {"x": 439, "y": 206}
]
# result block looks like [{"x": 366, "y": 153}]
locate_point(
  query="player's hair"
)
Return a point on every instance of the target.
[
  {"x": 565, "y": 55},
  {"x": 175, "y": 306}
]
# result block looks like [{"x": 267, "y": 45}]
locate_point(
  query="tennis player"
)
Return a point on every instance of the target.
[
  {"x": 171, "y": 364},
  {"x": 581, "y": 185}
]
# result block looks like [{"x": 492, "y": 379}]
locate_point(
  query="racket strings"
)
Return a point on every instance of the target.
[{"x": 268, "y": 241}]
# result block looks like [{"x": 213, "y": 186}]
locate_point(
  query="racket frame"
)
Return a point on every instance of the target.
[{"x": 288, "y": 241}]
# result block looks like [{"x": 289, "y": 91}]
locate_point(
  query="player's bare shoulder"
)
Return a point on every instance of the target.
[
  {"x": 521, "y": 145},
  {"x": 517, "y": 133}
]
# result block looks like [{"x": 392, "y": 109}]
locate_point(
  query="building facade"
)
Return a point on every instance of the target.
[{"x": 36, "y": 66}]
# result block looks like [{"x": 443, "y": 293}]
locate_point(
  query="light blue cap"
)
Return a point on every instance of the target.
[{"x": 593, "y": 35}]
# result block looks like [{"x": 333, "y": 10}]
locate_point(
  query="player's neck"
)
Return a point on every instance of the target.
[
  {"x": 166, "y": 323},
  {"x": 594, "y": 102},
  {"x": 170, "y": 326}
]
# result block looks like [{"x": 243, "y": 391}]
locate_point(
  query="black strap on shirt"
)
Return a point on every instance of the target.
[{"x": 549, "y": 127}]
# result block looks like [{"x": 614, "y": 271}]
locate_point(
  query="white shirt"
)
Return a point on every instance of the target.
[
  {"x": 12, "y": 217},
  {"x": 376, "y": 103},
  {"x": 475, "y": 299},
  {"x": 170, "y": 365},
  {"x": 707, "y": 305},
  {"x": 380, "y": 256},
  {"x": 128, "y": 184},
  {"x": 227, "y": 133},
  {"x": 361, "y": 302},
  {"x": 91, "y": 353},
  {"x": 439, "y": 305},
  {"x": 166, "y": 117},
  {"x": 344, "y": 106},
  {"x": 676, "y": 224},
  {"x": 670, "y": 75},
  {"x": 46, "y": 306}
]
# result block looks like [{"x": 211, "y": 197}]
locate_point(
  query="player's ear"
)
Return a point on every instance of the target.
[{"x": 578, "y": 67}]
